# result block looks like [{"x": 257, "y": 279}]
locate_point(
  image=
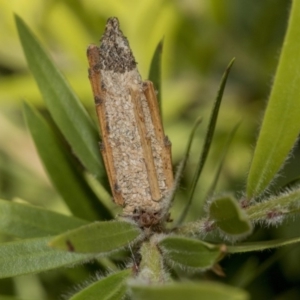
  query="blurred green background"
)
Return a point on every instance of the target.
[{"x": 200, "y": 38}]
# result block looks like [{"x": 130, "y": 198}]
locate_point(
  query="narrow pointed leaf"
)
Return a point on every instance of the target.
[
  {"x": 226, "y": 147},
  {"x": 208, "y": 139},
  {"x": 63, "y": 104},
  {"x": 155, "y": 70},
  {"x": 183, "y": 163},
  {"x": 229, "y": 216},
  {"x": 190, "y": 253},
  {"x": 26, "y": 221},
  {"x": 97, "y": 237},
  {"x": 281, "y": 126},
  {"x": 112, "y": 287},
  {"x": 259, "y": 246},
  {"x": 64, "y": 175},
  {"x": 273, "y": 210},
  {"x": 33, "y": 256},
  {"x": 191, "y": 291},
  {"x": 4, "y": 297},
  {"x": 190, "y": 141}
]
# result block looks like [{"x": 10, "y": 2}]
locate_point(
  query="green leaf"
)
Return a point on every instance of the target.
[
  {"x": 155, "y": 70},
  {"x": 222, "y": 160},
  {"x": 281, "y": 126},
  {"x": 64, "y": 106},
  {"x": 183, "y": 163},
  {"x": 273, "y": 210},
  {"x": 208, "y": 140},
  {"x": 229, "y": 216},
  {"x": 259, "y": 246},
  {"x": 69, "y": 182},
  {"x": 97, "y": 237},
  {"x": 204, "y": 290},
  {"x": 33, "y": 256},
  {"x": 190, "y": 253},
  {"x": 26, "y": 221},
  {"x": 112, "y": 287},
  {"x": 4, "y": 297}
]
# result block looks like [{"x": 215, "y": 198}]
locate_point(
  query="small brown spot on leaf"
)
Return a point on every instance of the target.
[{"x": 70, "y": 246}]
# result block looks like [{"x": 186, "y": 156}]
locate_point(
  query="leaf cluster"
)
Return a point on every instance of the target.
[{"x": 69, "y": 150}]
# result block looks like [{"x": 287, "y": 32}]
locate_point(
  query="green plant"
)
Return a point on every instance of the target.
[{"x": 194, "y": 246}]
